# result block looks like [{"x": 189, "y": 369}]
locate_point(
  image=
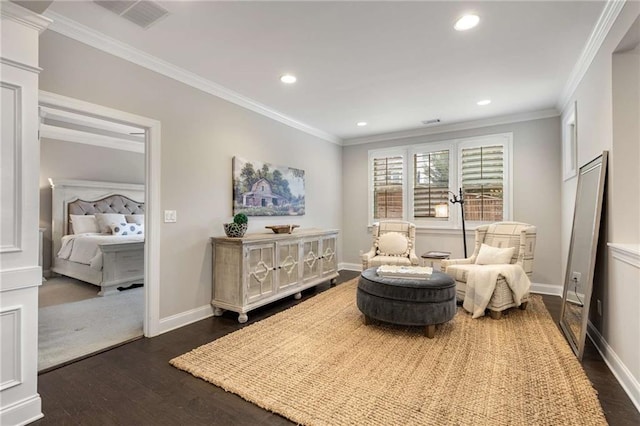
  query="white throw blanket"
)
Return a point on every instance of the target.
[{"x": 481, "y": 282}]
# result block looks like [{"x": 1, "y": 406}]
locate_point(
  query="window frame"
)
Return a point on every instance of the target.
[
  {"x": 421, "y": 149},
  {"x": 455, "y": 147},
  {"x": 504, "y": 139},
  {"x": 387, "y": 152}
]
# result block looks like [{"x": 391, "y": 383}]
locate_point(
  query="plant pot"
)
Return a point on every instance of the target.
[{"x": 235, "y": 230}]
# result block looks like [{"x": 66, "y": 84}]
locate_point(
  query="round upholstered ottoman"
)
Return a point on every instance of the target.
[{"x": 407, "y": 301}]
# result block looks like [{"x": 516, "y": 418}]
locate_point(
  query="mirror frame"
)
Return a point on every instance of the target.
[{"x": 577, "y": 342}]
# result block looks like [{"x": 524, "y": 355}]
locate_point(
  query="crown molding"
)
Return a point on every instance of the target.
[
  {"x": 17, "y": 13},
  {"x": 606, "y": 20},
  {"x": 93, "y": 38},
  {"x": 463, "y": 125}
]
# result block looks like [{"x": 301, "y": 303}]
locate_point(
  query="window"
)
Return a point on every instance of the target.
[
  {"x": 409, "y": 182},
  {"x": 431, "y": 182},
  {"x": 482, "y": 183},
  {"x": 388, "y": 177}
]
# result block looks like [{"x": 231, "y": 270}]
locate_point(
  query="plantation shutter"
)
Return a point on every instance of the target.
[
  {"x": 431, "y": 182},
  {"x": 483, "y": 182},
  {"x": 387, "y": 187}
]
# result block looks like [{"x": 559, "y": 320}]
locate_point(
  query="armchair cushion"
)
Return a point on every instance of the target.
[
  {"x": 392, "y": 244},
  {"x": 489, "y": 255}
]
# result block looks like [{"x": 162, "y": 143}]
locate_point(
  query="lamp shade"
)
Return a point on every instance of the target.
[{"x": 442, "y": 210}]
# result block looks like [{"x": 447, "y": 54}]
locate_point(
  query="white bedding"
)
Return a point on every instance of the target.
[{"x": 83, "y": 248}]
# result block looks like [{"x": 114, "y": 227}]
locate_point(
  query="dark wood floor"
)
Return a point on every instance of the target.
[{"x": 135, "y": 385}]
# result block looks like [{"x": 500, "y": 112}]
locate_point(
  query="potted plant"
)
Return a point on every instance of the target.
[{"x": 238, "y": 227}]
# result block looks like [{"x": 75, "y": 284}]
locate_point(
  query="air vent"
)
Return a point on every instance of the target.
[
  {"x": 431, "y": 122},
  {"x": 143, "y": 13}
]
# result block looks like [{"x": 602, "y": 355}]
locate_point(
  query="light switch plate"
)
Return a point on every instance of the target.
[{"x": 170, "y": 216}]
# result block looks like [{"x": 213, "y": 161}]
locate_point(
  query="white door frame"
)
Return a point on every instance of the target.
[{"x": 152, "y": 193}]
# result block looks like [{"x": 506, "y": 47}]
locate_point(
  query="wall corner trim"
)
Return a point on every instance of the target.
[
  {"x": 550, "y": 289},
  {"x": 184, "y": 318},
  {"x": 93, "y": 38},
  {"x": 608, "y": 16},
  {"x": 620, "y": 371}
]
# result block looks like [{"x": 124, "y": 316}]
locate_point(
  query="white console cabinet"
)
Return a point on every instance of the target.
[{"x": 257, "y": 269}]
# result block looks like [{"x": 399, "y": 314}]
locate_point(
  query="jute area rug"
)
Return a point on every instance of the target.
[{"x": 318, "y": 364}]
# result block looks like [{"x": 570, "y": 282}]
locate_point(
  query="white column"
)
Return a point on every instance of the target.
[{"x": 20, "y": 274}]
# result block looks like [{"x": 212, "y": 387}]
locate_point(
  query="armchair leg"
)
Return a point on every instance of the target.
[
  {"x": 496, "y": 315},
  {"x": 523, "y": 305}
]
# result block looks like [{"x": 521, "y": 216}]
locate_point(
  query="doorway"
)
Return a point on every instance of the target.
[{"x": 64, "y": 118}]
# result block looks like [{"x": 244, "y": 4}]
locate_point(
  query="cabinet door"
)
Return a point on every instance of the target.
[
  {"x": 259, "y": 270},
  {"x": 329, "y": 256},
  {"x": 310, "y": 260},
  {"x": 288, "y": 263}
]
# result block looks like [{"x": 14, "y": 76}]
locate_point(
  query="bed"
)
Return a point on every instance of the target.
[{"x": 106, "y": 259}]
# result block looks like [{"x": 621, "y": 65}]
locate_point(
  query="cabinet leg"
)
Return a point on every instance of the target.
[
  {"x": 333, "y": 281},
  {"x": 242, "y": 318},
  {"x": 217, "y": 312},
  {"x": 297, "y": 296}
]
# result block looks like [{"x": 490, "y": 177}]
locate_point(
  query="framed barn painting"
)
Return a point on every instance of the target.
[{"x": 263, "y": 189}]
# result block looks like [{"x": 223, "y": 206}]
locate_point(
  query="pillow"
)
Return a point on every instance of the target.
[
  {"x": 135, "y": 218},
  {"x": 84, "y": 224},
  {"x": 393, "y": 244},
  {"x": 105, "y": 220},
  {"x": 125, "y": 228},
  {"x": 494, "y": 256}
]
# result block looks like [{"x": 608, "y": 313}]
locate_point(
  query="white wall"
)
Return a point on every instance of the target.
[
  {"x": 536, "y": 195},
  {"x": 600, "y": 93},
  {"x": 69, "y": 160},
  {"x": 200, "y": 136}
]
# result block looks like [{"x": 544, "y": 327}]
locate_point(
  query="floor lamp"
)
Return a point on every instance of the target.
[{"x": 459, "y": 199}]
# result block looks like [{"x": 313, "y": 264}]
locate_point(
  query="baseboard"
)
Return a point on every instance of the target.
[
  {"x": 350, "y": 266},
  {"x": 549, "y": 289},
  {"x": 184, "y": 318},
  {"x": 22, "y": 412},
  {"x": 615, "y": 364}
]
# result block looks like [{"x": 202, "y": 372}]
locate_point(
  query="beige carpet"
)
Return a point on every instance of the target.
[{"x": 318, "y": 364}]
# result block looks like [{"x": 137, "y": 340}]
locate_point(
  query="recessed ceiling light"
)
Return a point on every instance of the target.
[
  {"x": 467, "y": 22},
  {"x": 484, "y": 102},
  {"x": 361, "y": 123},
  {"x": 288, "y": 79}
]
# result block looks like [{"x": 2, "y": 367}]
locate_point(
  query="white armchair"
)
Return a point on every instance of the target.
[
  {"x": 522, "y": 237},
  {"x": 393, "y": 244}
]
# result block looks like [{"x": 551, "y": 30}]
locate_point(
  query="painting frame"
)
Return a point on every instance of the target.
[{"x": 264, "y": 189}]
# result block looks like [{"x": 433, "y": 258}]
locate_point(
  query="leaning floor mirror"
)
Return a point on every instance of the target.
[{"x": 578, "y": 281}]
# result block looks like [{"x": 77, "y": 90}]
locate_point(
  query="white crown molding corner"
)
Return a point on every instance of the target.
[
  {"x": 627, "y": 253},
  {"x": 463, "y": 125},
  {"x": 343, "y": 266},
  {"x": 88, "y": 36},
  {"x": 24, "y": 16},
  {"x": 606, "y": 20},
  {"x": 184, "y": 318},
  {"x": 550, "y": 289},
  {"x": 628, "y": 382}
]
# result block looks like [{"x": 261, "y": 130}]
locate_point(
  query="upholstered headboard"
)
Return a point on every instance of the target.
[
  {"x": 111, "y": 204},
  {"x": 88, "y": 197}
]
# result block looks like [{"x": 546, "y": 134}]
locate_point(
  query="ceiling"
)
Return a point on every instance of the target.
[{"x": 391, "y": 64}]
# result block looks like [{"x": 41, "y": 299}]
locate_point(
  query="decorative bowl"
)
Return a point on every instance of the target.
[
  {"x": 235, "y": 230},
  {"x": 282, "y": 229}
]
